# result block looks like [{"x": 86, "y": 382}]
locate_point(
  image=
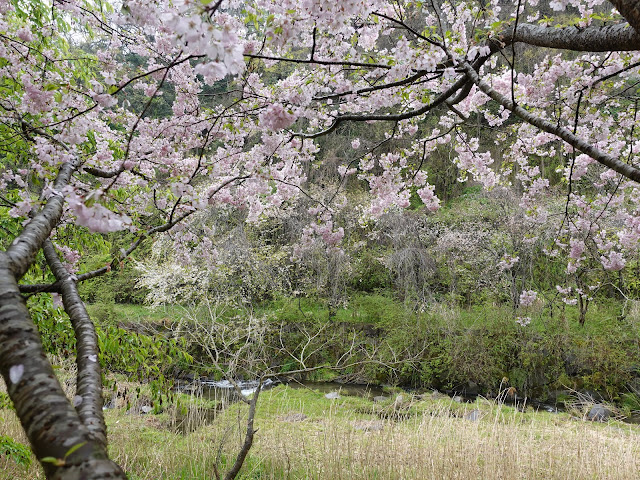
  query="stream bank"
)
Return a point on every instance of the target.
[{"x": 583, "y": 405}]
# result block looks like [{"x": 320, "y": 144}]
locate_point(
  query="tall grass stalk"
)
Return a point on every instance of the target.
[{"x": 353, "y": 438}]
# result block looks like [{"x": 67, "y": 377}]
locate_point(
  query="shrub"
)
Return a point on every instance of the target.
[{"x": 18, "y": 452}]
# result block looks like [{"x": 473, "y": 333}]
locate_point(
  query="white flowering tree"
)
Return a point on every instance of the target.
[{"x": 84, "y": 146}]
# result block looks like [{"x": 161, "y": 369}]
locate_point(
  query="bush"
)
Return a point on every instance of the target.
[
  {"x": 114, "y": 287},
  {"x": 369, "y": 274},
  {"x": 54, "y": 326},
  {"x": 18, "y": 452}
]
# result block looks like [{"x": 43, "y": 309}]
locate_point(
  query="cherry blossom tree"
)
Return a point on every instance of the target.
[{"x": 251, "y": 87}]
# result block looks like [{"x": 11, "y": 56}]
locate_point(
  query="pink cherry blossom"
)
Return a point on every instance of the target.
[
  {"x": 527, "y": 298},
  {"x": 614, "y": 262},
  {"x": 276, "y": 117}
]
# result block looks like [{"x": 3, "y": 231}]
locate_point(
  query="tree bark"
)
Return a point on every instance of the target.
[
  {"x": 630, "y": 10},
  {"x": 618, "y": 38},
  {"x": 22, "y": 252},
  {"x": 88, "y": 399},
  {"x": 52, "y": 425},
  {"x": 248, "y": 437}
]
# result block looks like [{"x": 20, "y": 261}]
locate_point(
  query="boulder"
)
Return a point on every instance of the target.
[
  {"x": 472, "y": 389},
  {"x": 599, "y": 413}
]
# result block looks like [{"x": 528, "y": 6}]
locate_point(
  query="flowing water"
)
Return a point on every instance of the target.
[{"x": 223, "y": 392}]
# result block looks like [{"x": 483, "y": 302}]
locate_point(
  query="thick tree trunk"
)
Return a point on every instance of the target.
[
  {"x": 65, "y": 447},
  {"x": 48, "y": 418}
]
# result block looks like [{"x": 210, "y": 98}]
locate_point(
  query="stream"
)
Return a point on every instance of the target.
[
  {"x": 224, "y": 393},
  {"x": 221, "y": 390}
]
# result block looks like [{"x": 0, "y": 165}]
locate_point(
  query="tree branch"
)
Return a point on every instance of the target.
[
  {"x": 440, "y": 99},
  {"x": 98, "y": 172},
  {"x": 56, "y": 287},
  {"x": 88, "y": 399},
  {"x": 248, "y": 437},
  {"x": 605, "y": 159},
  {"x": 315, "y": 61},
  {"x": 399, "y": 83},
  {"x": 25, "y": 246},
  {"x": 52, "y": 425},
  {"x": 630, "y": 10},
  {"x": 620, "y": 37}
]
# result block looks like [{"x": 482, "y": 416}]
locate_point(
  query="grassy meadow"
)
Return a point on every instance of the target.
[{"x": 303, "y": 435}]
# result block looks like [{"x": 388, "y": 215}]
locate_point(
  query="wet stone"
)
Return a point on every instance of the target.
[{"x": 599, "y": 413}]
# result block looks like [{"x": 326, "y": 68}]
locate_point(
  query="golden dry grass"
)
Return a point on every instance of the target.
[
  {"x": 439, "y": 443},
  {"x": 347, "y": 439}
]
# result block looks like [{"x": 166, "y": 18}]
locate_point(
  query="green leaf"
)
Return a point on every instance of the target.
[
  {"x": 58, "y": 462},
  {"x": 74, "y": 448}
]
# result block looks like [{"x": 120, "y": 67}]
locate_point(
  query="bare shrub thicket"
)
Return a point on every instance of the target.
[
  {"x": 408, "y": 258},
  {"x": 488, "y": 250}
]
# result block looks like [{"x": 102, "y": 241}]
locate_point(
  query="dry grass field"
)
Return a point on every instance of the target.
[{"x": 303, "y": 435}]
